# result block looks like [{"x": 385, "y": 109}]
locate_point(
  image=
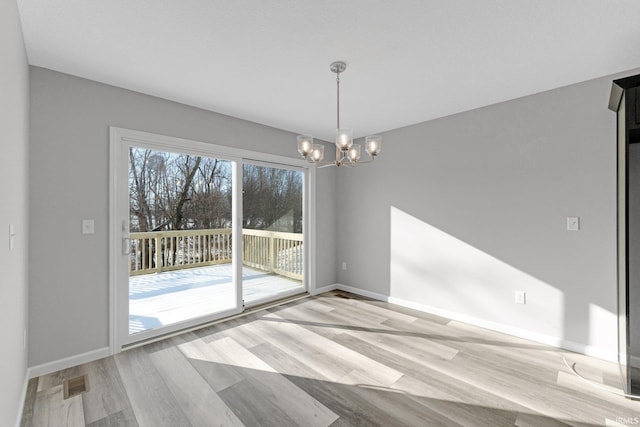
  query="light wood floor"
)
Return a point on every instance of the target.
[{"x": 338, "y": 360}]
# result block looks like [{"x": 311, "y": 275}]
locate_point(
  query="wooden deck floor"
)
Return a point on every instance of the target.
[
  {"x": 337, "y": 360},
  {"x": 162, "y": 299}
]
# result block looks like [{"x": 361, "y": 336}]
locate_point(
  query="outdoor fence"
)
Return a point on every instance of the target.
[{"x": 271, "y": 251}]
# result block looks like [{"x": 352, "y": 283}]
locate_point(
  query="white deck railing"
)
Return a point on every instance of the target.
[{"x": 154, "y": 252}]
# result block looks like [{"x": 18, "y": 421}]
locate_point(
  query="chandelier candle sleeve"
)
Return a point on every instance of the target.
[
  {"x": 318, "y": 153},
  {"x": 305, "y": 145},
  {"x": 354, "y": 153},
  {"x": 344, "y": 139},
  {"x": 373, "y": 145}
]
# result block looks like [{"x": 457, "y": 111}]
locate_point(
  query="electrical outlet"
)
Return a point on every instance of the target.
[
  {"x": 344, "y": 265},
  {"x": 573, "y": 223},
  {"x": 521, "y": 297},
  {"x": 88, "y": 226}
]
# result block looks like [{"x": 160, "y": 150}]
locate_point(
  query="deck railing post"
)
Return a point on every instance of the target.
[
  {"x": 273, "y": 262},
  {"x": 158, "y": 252}
]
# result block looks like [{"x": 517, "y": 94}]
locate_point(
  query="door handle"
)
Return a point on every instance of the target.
[{"x": 126, "y": 246}]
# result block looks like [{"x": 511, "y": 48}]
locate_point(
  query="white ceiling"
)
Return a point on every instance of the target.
[{"x": 268, "y": 60}]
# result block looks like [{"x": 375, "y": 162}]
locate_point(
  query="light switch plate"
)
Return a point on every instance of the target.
[
  {"x": 573, "y": 223},
  {"x": 87, "y": 226},
  {"x": 12, "y": 237},
  {"x": 521, "y": 297}
]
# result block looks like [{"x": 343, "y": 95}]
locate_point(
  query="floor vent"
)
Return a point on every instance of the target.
[
  {"x": 341, "y": 294},
  {"x": 75, "y": 386}
]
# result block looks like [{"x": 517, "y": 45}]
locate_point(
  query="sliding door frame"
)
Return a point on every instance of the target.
[{"x": 118, "y": 164}]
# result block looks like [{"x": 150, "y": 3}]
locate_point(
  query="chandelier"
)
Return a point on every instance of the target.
[{"x": 345, "y": 148}]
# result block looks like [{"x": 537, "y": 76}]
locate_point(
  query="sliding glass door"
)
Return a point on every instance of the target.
[
  {"x": 180, "y": 231},
  {"x": 272, "y": 232},
  {"x": 199, "y": 232}
]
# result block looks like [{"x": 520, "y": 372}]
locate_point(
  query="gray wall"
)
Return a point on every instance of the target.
[
  {"x": 458, "y": 213},
  {"x": 70, "y": 119},
  {"x": 14, "y": 131}
]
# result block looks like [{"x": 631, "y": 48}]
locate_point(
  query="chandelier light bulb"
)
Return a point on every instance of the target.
[
  {"x": 354, "y": 153},
  {"x": 317, "y": 154},
  {"x": 344, "y": 139},
  {"x": 305, "y": 145},
  {"x": 373, "y": 145}
]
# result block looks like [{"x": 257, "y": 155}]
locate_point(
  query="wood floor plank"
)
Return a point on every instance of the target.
[
  {"x": 361, "y": 313},
  {"x": 199, "y": 402},
  {"x": 298, "y": 405},
  {"x": 402, "y": 409},
  {"x": 334, "y": 319},
  {"x": 417, "y": 348},
  {"x": 519, "y": 355},
  {"x": 29, "y": 400},
  {"x": 239, "y": 330},
  {"x": 462, "y": 413},
  {"x": 441, "y": 385},
  {"x": 531, "y": 420},
  {"x": 382, "y": 329},
  {"x": 369, "y": 406},
  {"x": 353, "y": 305},
  {"x": 353, "y": 409},
  {"x": 421, "y": 315},
  {"x": 124, "y": 418},
  {"x": 108, "y": 395},
  {"x": 285, "y": 363},
  {"x": 525, "y": 390},
  {"x": 256, "y": 411},
  {"x": 462, "y": 339},
  {"x": 328, "y": 366},
  {"x": 153, "y": 403},
  {"x": 51, "y": 409},
  {"x": 350, "y": 360},
  {"x": 219, "y": 376}
]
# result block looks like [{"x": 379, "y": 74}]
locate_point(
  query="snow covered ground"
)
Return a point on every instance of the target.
[{"x": 161, "y": 299}]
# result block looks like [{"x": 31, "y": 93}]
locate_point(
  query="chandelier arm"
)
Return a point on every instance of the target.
[
  {"x": 322, "y": 164},
  {"x": 366, "y": 161}
]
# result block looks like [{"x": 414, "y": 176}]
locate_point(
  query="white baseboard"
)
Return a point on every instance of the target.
[
  {"x": 558, "y": 342},
  {"x": 324, "y": 289},
  {"x": 23, "y": 398},
  {"x": 363, "y": 292},
  {"x": 68, "y": 362}
]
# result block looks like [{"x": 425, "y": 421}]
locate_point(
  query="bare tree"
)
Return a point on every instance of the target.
[
  {"x": 272, "y": 199},
  {"x": 166, "y": 188},
  {"x": 169, "y": 191}
]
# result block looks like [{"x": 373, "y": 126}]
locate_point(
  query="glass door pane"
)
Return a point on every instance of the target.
[
  {"x": 180, "y": 230},
  {"x": 272, "y": 233}
]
